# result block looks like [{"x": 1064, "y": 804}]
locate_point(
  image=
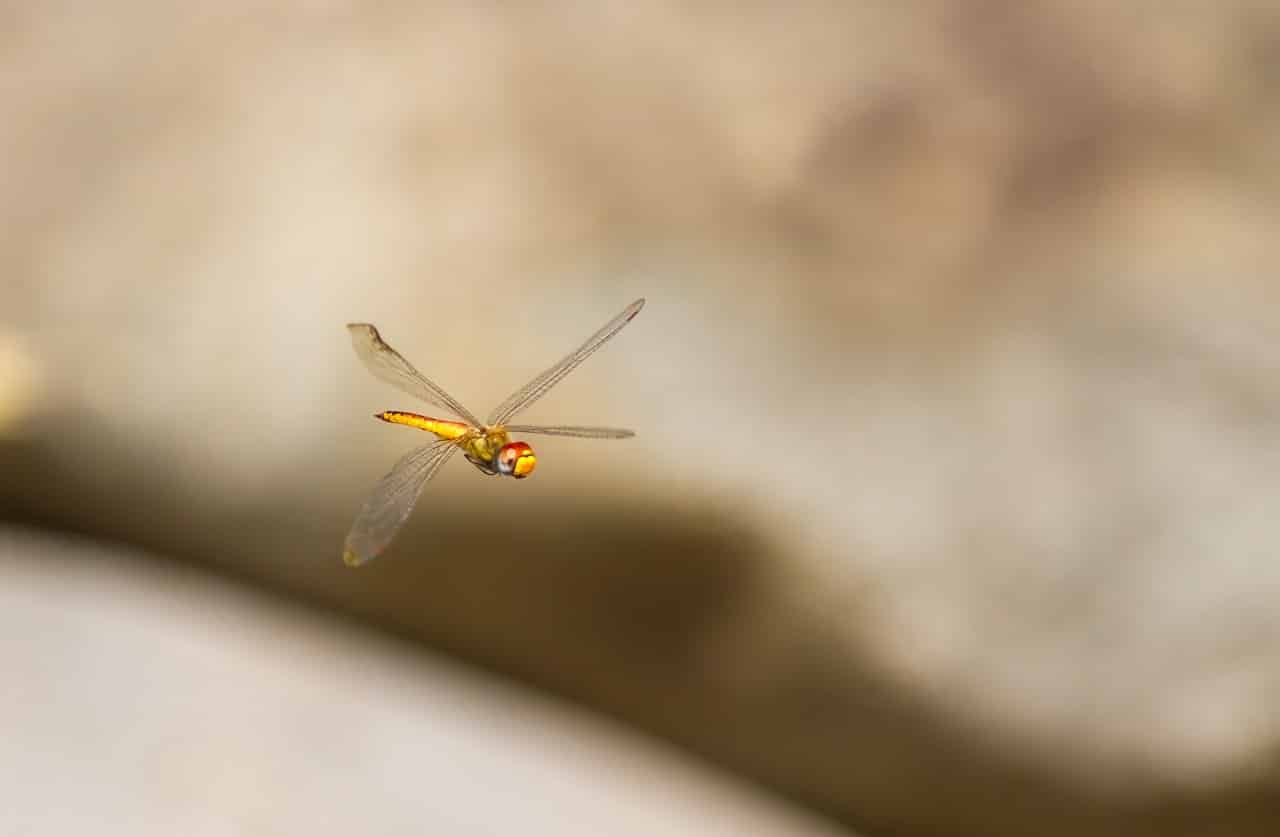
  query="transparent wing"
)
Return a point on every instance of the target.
[
  {"x": 570, "y": 430},
  {"x": 540, "y": 385},
  {"x": 386, "y": 364},
  {"x": 391, "y": 501}
]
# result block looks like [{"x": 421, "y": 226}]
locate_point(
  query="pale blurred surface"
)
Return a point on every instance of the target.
[
  {"x": 950, "y": 510},
  {"x": 143, "y": 700}
]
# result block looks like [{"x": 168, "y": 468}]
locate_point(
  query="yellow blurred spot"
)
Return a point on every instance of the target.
[
  {"x": 20, "y": 383},
  {"x": 351, "y": 559}
]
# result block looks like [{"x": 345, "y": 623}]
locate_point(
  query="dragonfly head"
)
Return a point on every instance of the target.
[{"x": 516, "y": 459}]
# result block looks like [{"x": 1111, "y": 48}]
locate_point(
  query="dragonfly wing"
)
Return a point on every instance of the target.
[
  {"x": 392, "y": 500},
  {"x": 540, "y": 385},
  {"x": 387, "y": 364},
  {"x": 570, "y": 430}
]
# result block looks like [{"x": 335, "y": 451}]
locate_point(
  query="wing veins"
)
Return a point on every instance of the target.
[
  {"x": 571, "y": 430},
  {"x": 392, "y": 500},
  {"x": 389, "y": 366},
  {"x": 548, "y": 378}
]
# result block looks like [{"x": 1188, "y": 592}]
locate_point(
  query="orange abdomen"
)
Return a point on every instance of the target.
[{"x": 443, "y": 428}]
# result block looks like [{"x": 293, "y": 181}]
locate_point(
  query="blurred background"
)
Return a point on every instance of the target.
[{"x": 951, "y": 509}]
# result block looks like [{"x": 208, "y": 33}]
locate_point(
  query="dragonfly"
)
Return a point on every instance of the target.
[{"x": 486, "y": 444}]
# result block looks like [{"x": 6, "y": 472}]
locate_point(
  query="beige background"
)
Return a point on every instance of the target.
[{"x": 950, "y": 510}]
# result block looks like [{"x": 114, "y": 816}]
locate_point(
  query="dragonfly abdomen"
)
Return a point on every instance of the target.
[{"x": 443, "y": 428}]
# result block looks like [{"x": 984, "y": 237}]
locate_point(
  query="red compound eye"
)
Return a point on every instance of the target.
[{"x": 516, "y": 459}]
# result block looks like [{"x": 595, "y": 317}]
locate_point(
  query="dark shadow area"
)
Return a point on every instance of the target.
[{"x": 664, "y": 616}]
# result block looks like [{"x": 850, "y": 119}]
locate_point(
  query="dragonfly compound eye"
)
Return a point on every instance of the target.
[{"x": 516, "y": 459}]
